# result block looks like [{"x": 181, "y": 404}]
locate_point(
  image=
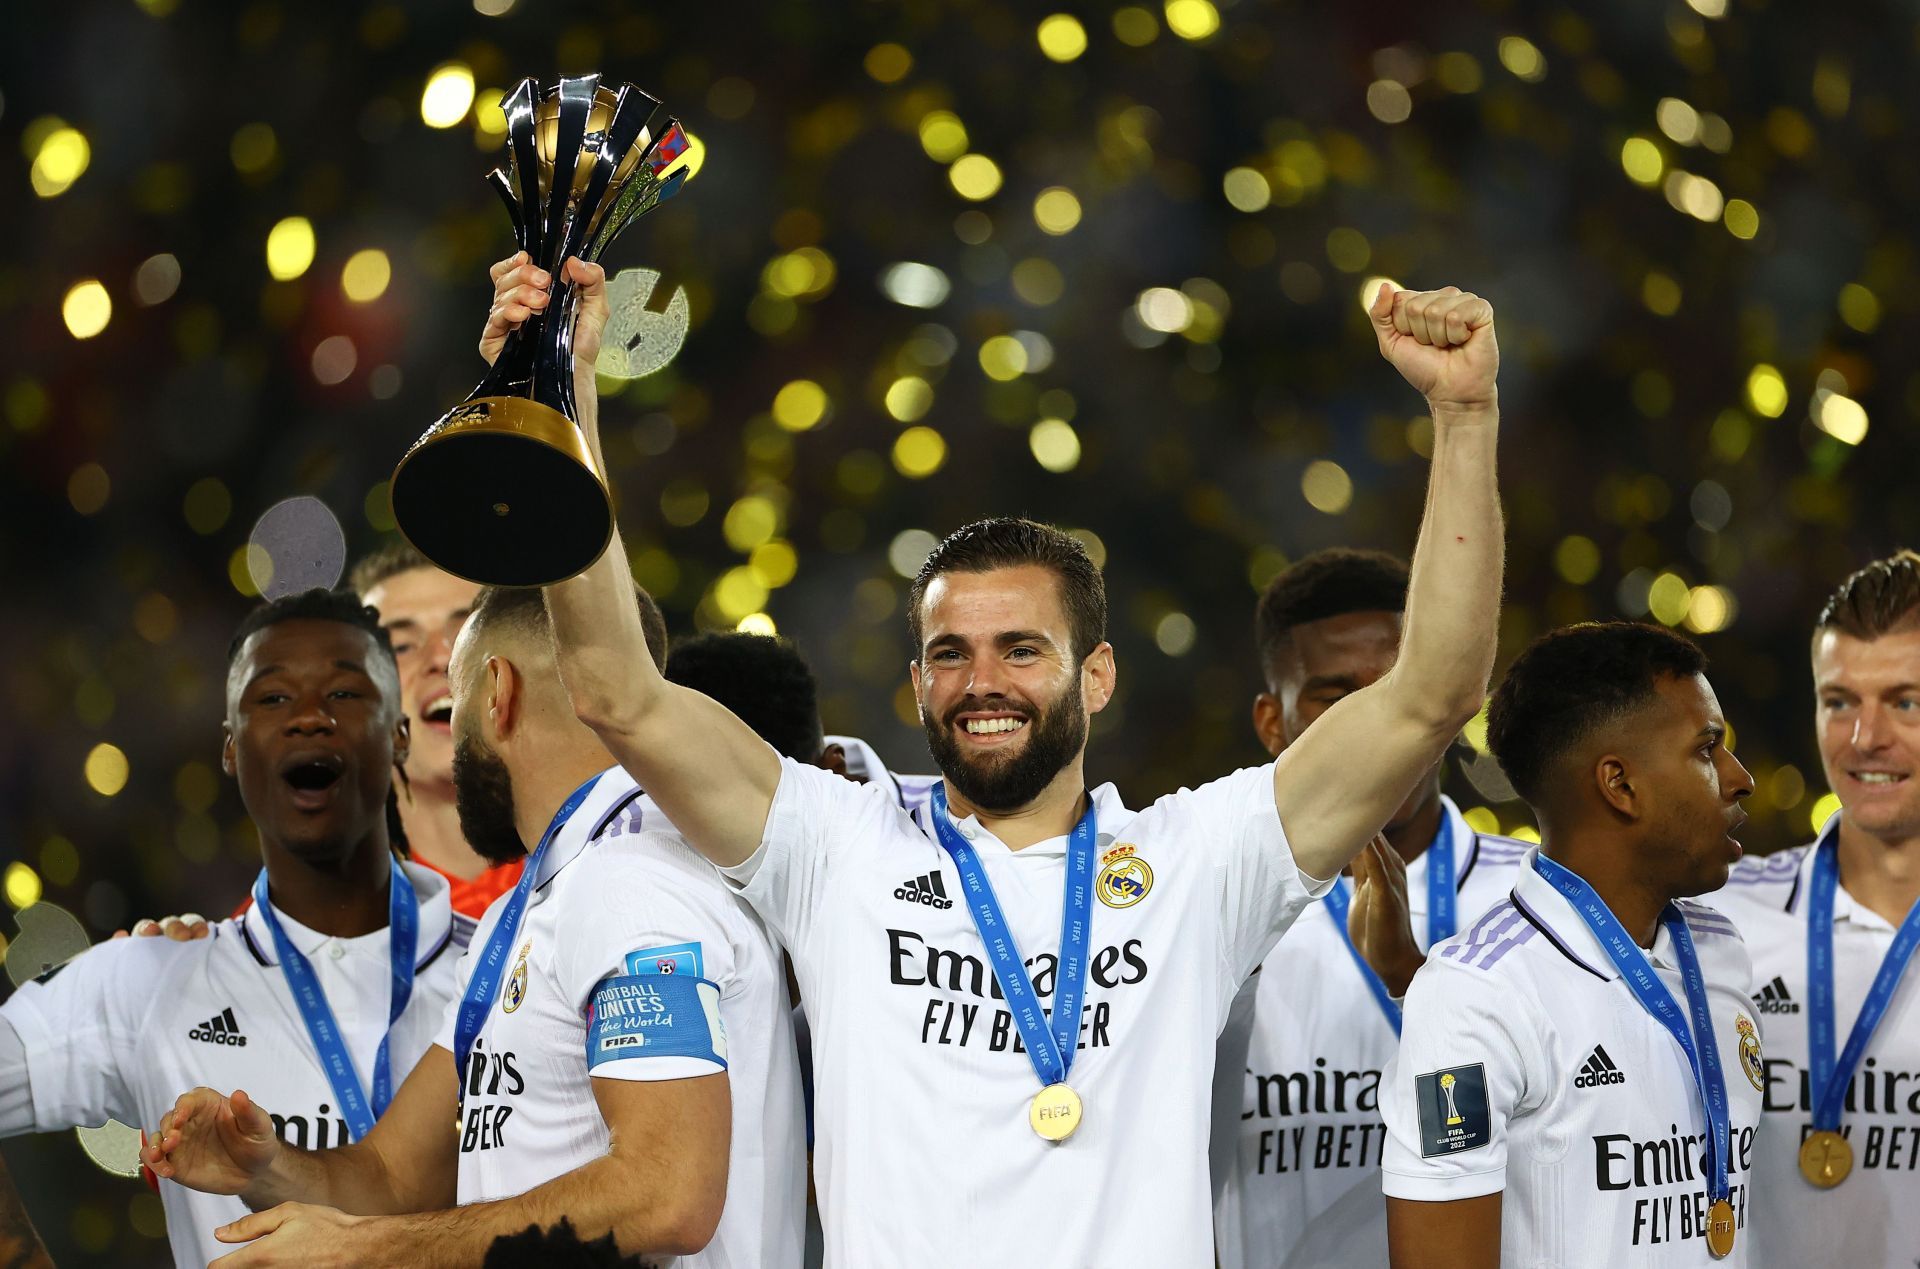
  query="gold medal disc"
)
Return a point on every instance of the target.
[
  {"x": 1826, "y": 1158},
  {"x": 1054, "y": 1112},
  {"x": 1720, "y": 1230}
]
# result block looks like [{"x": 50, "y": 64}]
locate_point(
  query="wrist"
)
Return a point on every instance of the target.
[{"x": 1458, "y": 413}]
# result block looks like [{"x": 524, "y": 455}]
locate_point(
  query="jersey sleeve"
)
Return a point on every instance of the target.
[
  {"x": 815, "y": 815},
  {"x": 1261, "y": 890},
  {"x": 80, "y": 1028},
  {"x": 1462, "y": 1074},
  {"x": 650, "y": 965}
]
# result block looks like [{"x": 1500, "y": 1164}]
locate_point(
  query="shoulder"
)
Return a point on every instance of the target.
[
  {"x": 1716, "y": 940},
  {"x": 1483, "y": 951},
  {"x": 1499, "y": 854},
  {"x": 1248, "y": 790},
  {"x": 134, "y": 972},
  {"x": 1764, "y": 881}
]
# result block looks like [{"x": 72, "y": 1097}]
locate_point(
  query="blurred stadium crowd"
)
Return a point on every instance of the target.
[{"x": 937, "y": 261}]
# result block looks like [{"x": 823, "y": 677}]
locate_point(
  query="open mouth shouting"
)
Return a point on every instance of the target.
[
  {"x": 312, "y": 778},
  {"x": 436, "y": 712}
]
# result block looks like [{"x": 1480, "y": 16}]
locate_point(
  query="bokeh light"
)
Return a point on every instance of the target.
[
  {"x": 86, "y": 309},
  {"x": 290, "y": 247},
  {"x": 448, "y": 95},
  {"x": 365, "y": 277},
  {"x": 106, "y": 769},
  {"x": 1061, "y": 37}
]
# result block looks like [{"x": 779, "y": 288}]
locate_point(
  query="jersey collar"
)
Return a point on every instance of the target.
[
  {"x": 1110, "y": 816},
  {"x": 1550, "y": 912},
  {"x": 612, "y": 791},
  {"x": 1845, "y": 907},
  {"x": 436, "y": 924}
]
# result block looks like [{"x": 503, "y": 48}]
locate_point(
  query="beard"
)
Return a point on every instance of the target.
[
  {"x": 1005, "y": 782},
  {"x": 483, "y": 795}
]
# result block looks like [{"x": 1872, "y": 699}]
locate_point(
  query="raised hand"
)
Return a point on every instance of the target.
[
  {"x": 215, "y": 1144},
  {"x": 1379, "y": 921},
  {"x": 1442, "y": 343},
  {"x": 520, "y": 289}
]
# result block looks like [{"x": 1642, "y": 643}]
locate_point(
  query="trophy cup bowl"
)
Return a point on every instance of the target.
[{"x": 504, "y": 489}]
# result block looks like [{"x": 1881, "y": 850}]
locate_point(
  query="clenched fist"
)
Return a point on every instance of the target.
[
  {"x": 521, "y": 289},
  {"x": 1442, "y": 343}
]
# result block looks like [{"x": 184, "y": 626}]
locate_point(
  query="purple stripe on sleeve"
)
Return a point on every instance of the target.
[{"x": 1524, "y": 933}]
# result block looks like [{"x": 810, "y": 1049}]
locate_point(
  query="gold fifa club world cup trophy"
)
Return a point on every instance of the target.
[{"x": 504, "y": 489}]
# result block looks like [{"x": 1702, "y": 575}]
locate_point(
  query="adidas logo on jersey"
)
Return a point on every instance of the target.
[
  {"x": 1773, "y": 998},
  {"x": 927, "y": 888},
  {"x": 1597, "y": 1070},
  {"x": 220, "y": 1029}
]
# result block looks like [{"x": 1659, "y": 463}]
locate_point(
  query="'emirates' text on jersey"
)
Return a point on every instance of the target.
[
  {"x": 621, "y": 894},
  {"x": 1526, "y": 1065},
  {"x": 1873, "y": 1217},
  {"x": 123, "y": 1029},
  {"x": 1297, "y": 1106},
  {"x": 923, "y": 1155}
]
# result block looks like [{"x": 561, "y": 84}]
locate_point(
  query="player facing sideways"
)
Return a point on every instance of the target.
[
  {"x": 1833, "y": 928},
  {"x": 326, "y": 992},
  {"x": 1579, "y": 1072},
  {"x": 958, "y": 1119},
  {"x": 1297, "y": 1132},
  {"x": 619, "y": 1048}
]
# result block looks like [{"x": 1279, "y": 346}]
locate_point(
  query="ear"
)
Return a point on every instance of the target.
[
  {"x": 1616, "y": 790},
  {"x": 1270, "y": 723},
  {"x": 503, "y": 688},
  {"x": 226, "y": 749},
  {"x": 1099, "y": 677},
  {"x": 834, "y": 758},
  {"x": 919, "y": 689},
  {"x": 402, "y": 740}
]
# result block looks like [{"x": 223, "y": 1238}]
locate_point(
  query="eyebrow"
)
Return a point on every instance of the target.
[
  {"x": 1714, "y": 730},
  {"x": 1890, "y": 690},
  {"x": 413, "y": 623},
  {"x": 339, "y": 664},
  {"x": 1003, "y": 639},
  {"x": 1347, "y": 681}
]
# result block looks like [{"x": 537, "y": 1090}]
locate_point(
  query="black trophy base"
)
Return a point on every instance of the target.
[{"x": 503, "y": 491}]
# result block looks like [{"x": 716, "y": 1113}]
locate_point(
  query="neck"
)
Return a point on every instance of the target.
[
  {"x": 1411, "y": 837},
  {"x": 1882, "y": 876},
  {"x": 1052, "y": 814},
  {"x": 432, "y": 821},
  {"x": 344, "y": 898},
  {"x": 538, "y": 794},
  {"x": 1608, "y": 868}
]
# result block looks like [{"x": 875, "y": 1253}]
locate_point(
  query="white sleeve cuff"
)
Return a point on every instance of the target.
[{"x": 1431, "y": 1188}]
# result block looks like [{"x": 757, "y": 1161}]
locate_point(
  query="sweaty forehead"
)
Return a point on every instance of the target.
[
  {"x": 303, "y": 647},
  {"x": 1867, "y": 665},
  {"x": 981, "y": 606},
  {"x": 1358, "y": 646}
]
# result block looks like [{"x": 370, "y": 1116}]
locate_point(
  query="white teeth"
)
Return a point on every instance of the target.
[
  {"x": 992, "y": 726},
  {"x": 1878, "y": 777}
]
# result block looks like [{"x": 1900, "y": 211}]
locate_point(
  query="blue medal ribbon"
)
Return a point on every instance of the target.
[
  {"x": 1440, "y": 914},
  {"x": 484, "y": 984},
  {"x": 403, "y": 936},
  {"x": 1829, "y": 1078},
  {"x": 1638, "y": 973},
  {"x": 1051, "y": 1041}
]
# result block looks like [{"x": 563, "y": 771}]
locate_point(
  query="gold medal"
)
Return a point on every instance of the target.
[
  {"x": 1720, "y": 1230},
  {"x": 1826, "y": 1158},
  {"x": 1054, "y": 1112}
]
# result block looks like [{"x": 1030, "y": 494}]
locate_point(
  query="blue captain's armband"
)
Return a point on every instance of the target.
[{"x": 655, "y": 1015}]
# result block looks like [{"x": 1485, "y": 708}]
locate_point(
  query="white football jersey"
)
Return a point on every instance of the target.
[
  {"x": 124, "y": 1028},
  {"x": 1873, "y": 1217},
  {"x": 865, "y": 764},
  {"x": 922, "y": 1151},
  {"x": 1527, "y": 1066},
  {"x": 1298, "y": 1079},
  {"x": 634, "y": 961}
]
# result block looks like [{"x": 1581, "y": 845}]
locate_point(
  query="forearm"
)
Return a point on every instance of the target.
[
  {"x": 352, "y": 1178},
  {"x": 599, "y": 1198},
  {"x": 1453, "y": 598}
]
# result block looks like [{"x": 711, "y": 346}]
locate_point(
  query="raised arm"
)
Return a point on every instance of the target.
[
  {"x": 713, "y": 777},
  {"x": 1340, "y": 781},
  {"x": 226, "y": 1145},
  {"x": 658, "y": 1190}
]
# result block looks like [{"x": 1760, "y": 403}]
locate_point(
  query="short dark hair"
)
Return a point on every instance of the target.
[
  {"x": 1009, "y": 542},
  {"x": 526, "y": 607},
  {"x": 1330, "y": 583},
  {"x": 397, "y": 555},
  {"x": 762, "y": 679},
  {"x": 318, "y": 604},
  {"x": 1571, "y": 682},
  {"x": 1879, "y": 599}
]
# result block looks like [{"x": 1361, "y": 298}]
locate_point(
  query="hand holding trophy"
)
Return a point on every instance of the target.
[{"x": 504, "y": 490}]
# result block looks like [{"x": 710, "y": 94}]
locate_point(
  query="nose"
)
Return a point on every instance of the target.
[
  {"x": 1870, "y": 728},
  {"x": 987, "y": 677},
  {"x": 1736, "y": 783},
  {"x": 439, "y": 646},
  {"x": 312, "y": 716}
]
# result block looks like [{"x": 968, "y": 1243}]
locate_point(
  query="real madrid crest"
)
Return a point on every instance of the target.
[
  {"x": 1750, "y": 1060},
  {"x": 516, "y": 989},
  {"x": 1124, "y": 877}
]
